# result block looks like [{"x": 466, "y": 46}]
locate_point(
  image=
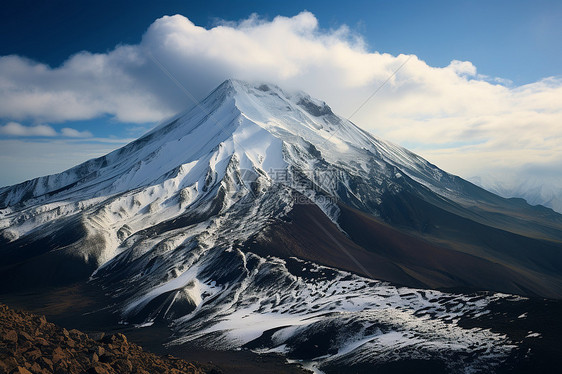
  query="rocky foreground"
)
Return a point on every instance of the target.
[{"x": 30, "y": 344}]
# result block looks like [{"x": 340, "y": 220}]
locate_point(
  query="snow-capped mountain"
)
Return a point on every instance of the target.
[{"x": 261, "y": 219}]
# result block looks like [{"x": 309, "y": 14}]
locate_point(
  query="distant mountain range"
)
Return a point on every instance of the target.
[
  {"x": 261, "y": 220},
  {"x": 546, "y": 190}
]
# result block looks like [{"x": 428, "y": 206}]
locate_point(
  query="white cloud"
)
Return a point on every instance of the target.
[
  {"x": 73, "y": 133},
  {"x": 17, "y": 129},
  {"x": 462, "y": 67},
  {"x": 464, "y": 122}
]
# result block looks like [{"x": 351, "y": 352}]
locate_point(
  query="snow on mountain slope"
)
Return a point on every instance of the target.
[
  {"x": 164, "y": 224},
  {"x": 238, "y": 127},
  {"x": 363, "y": 320}
]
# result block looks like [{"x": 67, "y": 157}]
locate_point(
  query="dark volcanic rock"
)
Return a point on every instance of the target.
[{"x": 30, "y": 344}]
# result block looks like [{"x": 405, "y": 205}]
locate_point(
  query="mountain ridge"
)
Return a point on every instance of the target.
[
  {"x": 260, "y": 216},
  {"x": 245, "y": 136}
]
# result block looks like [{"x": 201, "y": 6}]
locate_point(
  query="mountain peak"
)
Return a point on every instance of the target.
[
  {"x": 239, "y": 84},
  {"x": 257, "y": 125},
  {"x": 233, "y": 85},
  {"x": 260, "y": 90}
]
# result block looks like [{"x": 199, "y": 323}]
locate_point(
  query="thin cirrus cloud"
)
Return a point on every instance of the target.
[{"x": 463, "y": 121}]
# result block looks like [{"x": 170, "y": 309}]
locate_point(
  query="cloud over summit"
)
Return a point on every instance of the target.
[{"x": 459, "y": 119}]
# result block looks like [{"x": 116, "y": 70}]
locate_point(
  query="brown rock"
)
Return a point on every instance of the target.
[
  {"x": 77, "y": 334},
  {"x": 97, "y": 370},
  {"x": 30, "y": 344},
  {"x": 74, "y": 369},
  {"x": 42, "y": 342},
  {"x": 10, "y": 336},
  {"x": 115, "y": 339},
  {"x": 33, "y": 354},
  {"x": 123, "y": 366},
  {"x": 26, "y": 336},
  {"x": 106, "y": 357},
  {"x": 96, "y": 335},
  {"x": 121, "y": 337},
  {"x": 61, "y": 370},
  {"x": 22, "y": 370},
  {"x": 46, "y": 363},
  {"x": 25, "y": 346},
  {"x": 62, "y": 366},
  {"x": 58, "y": 355},
  {"x": 11, "y": 362},
  {"x": 100, "y": 350},
  {"x": 35, "y": 368}
]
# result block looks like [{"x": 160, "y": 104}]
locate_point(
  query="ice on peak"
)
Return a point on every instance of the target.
[
  {"x": 238, "y": 84},
  {"x": 259, "y": 89}
]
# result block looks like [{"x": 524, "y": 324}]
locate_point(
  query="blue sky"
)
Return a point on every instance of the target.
[
  {"x": 504, "y": 51},
  {"x": 517, "y": 40}
]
